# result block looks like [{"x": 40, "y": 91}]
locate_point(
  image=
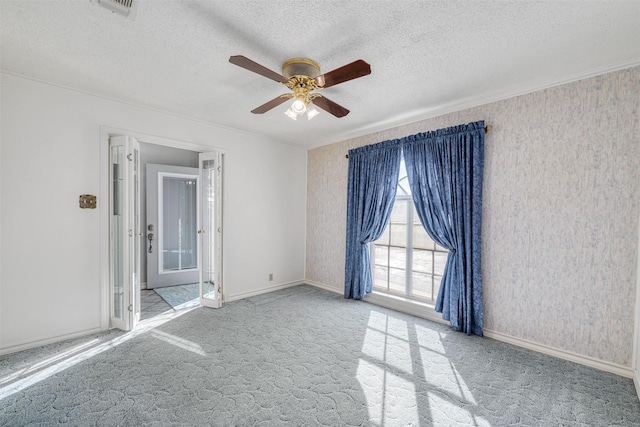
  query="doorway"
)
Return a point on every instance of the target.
[
  {"x": 197, "y": 250},
  {"x": 170, "y": 224},
  {"x": 169, "y": 213}
]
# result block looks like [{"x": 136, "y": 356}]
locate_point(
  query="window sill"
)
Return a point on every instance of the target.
[{"x": 405, "y": 305}]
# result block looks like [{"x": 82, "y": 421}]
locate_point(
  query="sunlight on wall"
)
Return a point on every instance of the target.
[{"x": 404, "y": 382}]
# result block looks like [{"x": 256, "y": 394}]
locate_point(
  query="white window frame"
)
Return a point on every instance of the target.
[{"x": 403, "y": 197}]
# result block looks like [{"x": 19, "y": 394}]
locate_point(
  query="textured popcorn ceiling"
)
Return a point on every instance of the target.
[{"x": 427, "y": 57}]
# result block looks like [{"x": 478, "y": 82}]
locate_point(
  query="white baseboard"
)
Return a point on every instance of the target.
[
  {"x": 52, "y": 340},
  {"x": 592, "y": 362},
  {"x": 636, "y": 383},
  {"x": 236, "y": 297},
  {"x": 426, "y": 311},
  {"x": 325, "y": 287}
]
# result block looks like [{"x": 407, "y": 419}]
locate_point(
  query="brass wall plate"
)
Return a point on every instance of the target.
[{"x": 88, "y": 201}]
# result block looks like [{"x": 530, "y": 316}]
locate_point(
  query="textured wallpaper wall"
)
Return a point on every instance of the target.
[{"x": 560, "y": 213}]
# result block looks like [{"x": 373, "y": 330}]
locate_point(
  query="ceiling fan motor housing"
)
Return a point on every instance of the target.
[{"x": 300, "y": 67}]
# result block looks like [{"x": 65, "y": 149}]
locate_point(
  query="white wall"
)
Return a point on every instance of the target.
[{"x": 50, "y": 266}]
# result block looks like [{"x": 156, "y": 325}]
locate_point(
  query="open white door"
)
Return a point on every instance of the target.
[
  {"x": 124, "y": 231},
  {"x": 210, "y": 230},
  {"x": 172, "y": 225}
]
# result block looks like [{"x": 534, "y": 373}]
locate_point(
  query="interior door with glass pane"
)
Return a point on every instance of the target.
[
  {"x": 210, "y": 231},
  {"x": 124, "y": 231},
  {"x": 172, "y": 225}
]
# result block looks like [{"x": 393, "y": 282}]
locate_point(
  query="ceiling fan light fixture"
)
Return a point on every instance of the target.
[
  {"x": 312, "y": 112},
  {"x": 302, "y": 76},
  {"x": 299, "y": 106},
  {"x": 292, "y": 115}
]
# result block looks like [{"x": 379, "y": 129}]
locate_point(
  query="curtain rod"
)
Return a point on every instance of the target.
[{"x": 487, "y": 129}]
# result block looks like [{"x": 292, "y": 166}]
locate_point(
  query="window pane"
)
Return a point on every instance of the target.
[
  {"x": 399, "y": 212},
  {"x": 423, "y": 261},
  {"x": 399, "y": 234},
  {"x": 420, "y": 237},
  {"x": 397, "y": 280},
  {"x": 403, "y": 182},
  {"x": 384, "y": 238},
  {"x": 389, "y": 253},
  {"x": 179, "y": 223},
  {"x": 422, "y": 284},
  {"x": 381, "y": 255},
  {"x": 436, "y": 286},
  {"x": 398, "y": 258},
  {"x": 117, "y": 229},
  {"x": 398, "y": 223},
  {"x": 440, "y": 248},
  {"x": 380, "y": 275},
  {"x": 403, "y": 187},
  {"x": 440, "y": 262}
]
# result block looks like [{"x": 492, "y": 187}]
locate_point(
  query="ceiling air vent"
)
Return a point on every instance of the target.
[{"x": 121, "y": 7}]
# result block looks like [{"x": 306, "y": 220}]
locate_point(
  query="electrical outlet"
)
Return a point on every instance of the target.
[{"x": 270, "y": 277}]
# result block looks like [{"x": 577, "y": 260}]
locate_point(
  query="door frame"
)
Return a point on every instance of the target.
[{"x": 103, "y": 199}]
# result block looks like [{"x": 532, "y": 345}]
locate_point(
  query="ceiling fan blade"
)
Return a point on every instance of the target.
[
  {"x": 271, "y": 104},
  {"x": 330, "y": 107},
  {"x": 345, "y": 73},
  {"x": 246, "y": 63}
]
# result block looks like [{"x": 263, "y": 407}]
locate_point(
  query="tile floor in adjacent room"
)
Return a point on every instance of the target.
[{"x": 152, "y": 304}]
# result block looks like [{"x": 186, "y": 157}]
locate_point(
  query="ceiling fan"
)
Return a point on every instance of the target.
[{"x": 302, "y": 76}]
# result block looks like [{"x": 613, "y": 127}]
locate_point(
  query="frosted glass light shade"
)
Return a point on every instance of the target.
[
  {"x": 312, "y": 112},
  {"x": 291, "y": 114},
  {"x": 298, "y": 106}
]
